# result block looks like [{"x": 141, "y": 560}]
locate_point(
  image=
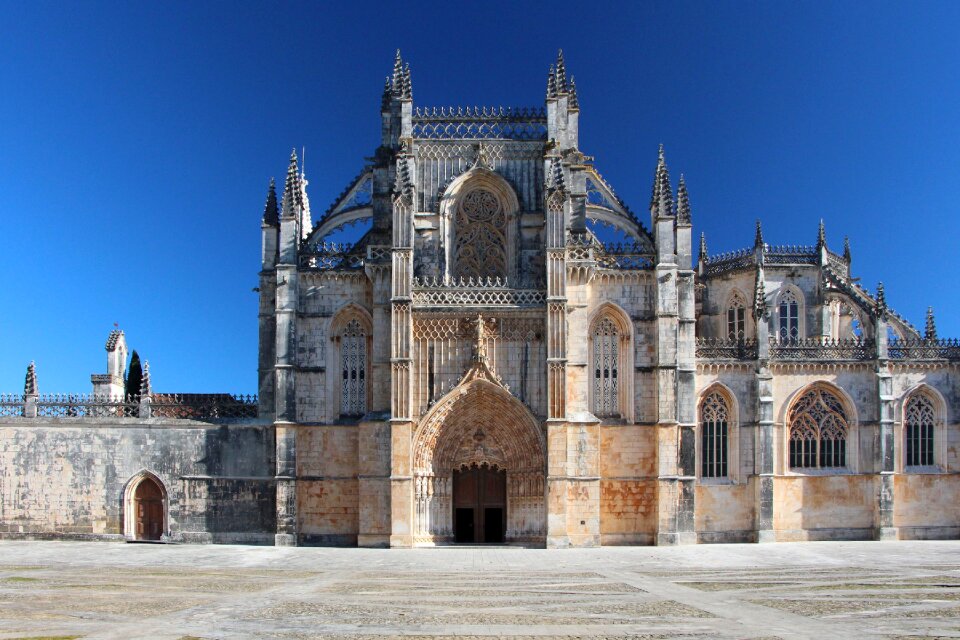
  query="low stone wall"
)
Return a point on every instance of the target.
[{"x": 68, "y": 477}]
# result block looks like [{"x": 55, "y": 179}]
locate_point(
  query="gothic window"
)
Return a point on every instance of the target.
[
  {"x": 714, "y": 425},
  {"x": 606, "y": 368},
  {"x": 818, "y": 431},
  {"x": 919, "y": 422},
  {"x": 480, "y": 245},
  {"x": 353, "y": 366},
  {"x": 789, "y": 317},
  {"x": 736, "y": 318}
]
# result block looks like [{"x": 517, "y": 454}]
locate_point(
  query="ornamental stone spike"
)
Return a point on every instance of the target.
[
  {"x": 397, "y": 78},
  {"x": 145, "y": 388},
  {"x": 821, "y": 235},
  {"x": 30, "y": 382},
  {"x": 306, "y": 218},
  {"x": 846, "y": 249},
  {"x": 661, "y": 201},
  {"x": 291, "y": 188},
  {"x": 930, "y": 331},
  {"x": 271, "y": 215},
  {"x": 574, "y": 103},
  {"x": 556, "y": 174},
  {"x": 881, "y": 301},
  {"x": 703, "y": 246},
  {"x": 406, "y": 85},
  {"x": 387, "y": 94},
  {"x": 758, "y": 236},
  {"x": 551, "y": 84},
  {"x": 561, "y": 72},
  {"x": 759, "y": 296},
  {"x": 683, "y": 202}
]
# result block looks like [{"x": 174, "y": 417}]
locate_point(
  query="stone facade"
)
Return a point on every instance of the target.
[{"x": 509, "y": 353}]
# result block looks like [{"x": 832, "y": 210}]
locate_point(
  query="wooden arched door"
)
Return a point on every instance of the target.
[{"x": 148, "y": 510}]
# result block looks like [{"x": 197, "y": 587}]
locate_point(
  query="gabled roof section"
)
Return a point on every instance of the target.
[{"x": 605, "y": 206}]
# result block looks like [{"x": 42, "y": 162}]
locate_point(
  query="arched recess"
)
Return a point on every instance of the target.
[
  {"x": 732, "y": 408},
  {"x": 734, "y": 319},
  {"x": 479, "y": 423},
  {"x": 785, "y": 330},
  {"x": 135, "y": 512},
  {"x": 924, "y": 402},
  {"x": 351, "y": 336},
  {"x": 852, "y": 438},
  {"x": 606, "y": 319},
  {"x": 480, "y": 179}
]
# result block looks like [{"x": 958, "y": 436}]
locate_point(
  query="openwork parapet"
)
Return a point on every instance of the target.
[
  {"x": 823, "y": 349},
  {"x": 630, "y": 256},
  {"x": 924, "y": 350},
  {"x": 204, "y": 406},
  {"x": 455, "y": 292},
  {"x": 81, "y": 405},
  {"x": 476, "y": 123},
  {"x": 326, "y": 256},
  {"x": 729, "y": 261},
  {"x": 721, "y": 349},
  {"x": 195, "y": 406},
  {"x": 11, "y": 404}
]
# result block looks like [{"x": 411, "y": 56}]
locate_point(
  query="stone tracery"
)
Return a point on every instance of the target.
[{"x": 480, "y": 246}]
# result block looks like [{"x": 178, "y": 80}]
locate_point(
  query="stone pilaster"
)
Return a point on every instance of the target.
[{"x": 884, "y": 461}]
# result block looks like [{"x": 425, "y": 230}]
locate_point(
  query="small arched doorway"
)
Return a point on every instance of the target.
[
  {"x": 479, "y": 504},
  {"x": 147, "y": 510}
]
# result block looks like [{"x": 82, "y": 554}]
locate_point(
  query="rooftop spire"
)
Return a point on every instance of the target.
[
  {"x": 30, "y": 382},
  {"x": 406, "y": 86},
  {"x": 387, "y": 93},
  {"x": 758, "y": 236},
  {"x": 574, "y": 102},
  {"x": 930, "y": 331},
  {"x": 881, "y": 301},
  {"x": 292, "y": 194},
  {"x": 271, "y": 215},
  {"x": 683, "y": 202},
  {"x": 551, "y": 84},
  {"x": 703, "y": 246},
  {"x": 661, "y": 202},
  {"x": 821, "y": 235},
  {"x": 759, "y": 296},
  {"x": 561, "y": 72},
  {"x": 846, "y": 249},
  {"x": 556, "y": 174},
  {"x": 397, "y": 78},
  {"x": 306, "y": 219},
  {"x": 145, "y": 387},
  {"x": 403, "y": 186}
]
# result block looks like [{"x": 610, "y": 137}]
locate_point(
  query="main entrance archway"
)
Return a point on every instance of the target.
[{"x": 479, "y": 450}]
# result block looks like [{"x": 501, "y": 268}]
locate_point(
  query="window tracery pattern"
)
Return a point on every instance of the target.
[
  {"x": 714, "y": 424},
  {"x": 818, "y": 431},
  {"x": 606, "y": 367},
  {"x": 480, "y": 245},
  {"x": 353, "y": 365},
  {"x": 920, "y": 419},
  {"x": 736, "y": 318},
  {"x": 789, "y": 314}
]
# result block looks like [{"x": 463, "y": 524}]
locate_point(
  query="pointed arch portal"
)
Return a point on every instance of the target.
[{"x": 480, "y": 450}]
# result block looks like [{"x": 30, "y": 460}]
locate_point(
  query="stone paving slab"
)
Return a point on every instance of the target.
[{"x": 889, "y": 590}]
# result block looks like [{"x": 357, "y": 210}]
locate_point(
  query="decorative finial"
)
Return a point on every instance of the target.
[
  {"x": 758, "y": 236},
  {"x": 574, "y": 103},
  {"x": 930, "y": 331},
  {"x": 145, "y": 388},
  {"x": 406, "y": 86},
  {"x": 821, "y": 236},
  {"x": 846, "y": 249},
  {"x": 397, "y": 78},
  {"x": 480, "y": 340},
  {"x": 759, "y": 296},
  {"x": 30, "y": 382},
  {"x": 561, "y": 72},
  {"x": 403, "y": 185},
  {"x": 683, "y": 202},
  {"x": 271, "y": 214},
  {"x": 881, "y": 301},
  {"x": 552, "y": 84},
  {"x": 661, "y": 201},
  {"x": 292, "y": 194},
  {"x": 556, "y": 174},
  {"x": 703, "y": 246}
]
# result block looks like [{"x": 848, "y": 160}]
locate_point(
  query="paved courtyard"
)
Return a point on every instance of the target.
[{"x": 813, "y": 590}]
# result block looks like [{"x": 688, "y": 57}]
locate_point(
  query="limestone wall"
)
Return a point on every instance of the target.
[
  {"x": 833, "y": 507},
  {"x": 628, "y": 484},
  {"x": 67, "y": 477},
  {"x": 328, "y": 496}
]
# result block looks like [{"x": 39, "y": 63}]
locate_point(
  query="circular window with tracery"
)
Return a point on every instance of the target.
[{"x": 480, "y": 245}]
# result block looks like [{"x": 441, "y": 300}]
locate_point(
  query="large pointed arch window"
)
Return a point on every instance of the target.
[
  {"x": 818, "y": 431},
  {"x": 919, "y": 423},
  {"x": 480, "y": 245},
  {"x": 353, "y": 369},
  {"x": 714, "y": 436},
  {"x": 788, "y": 312},
  {"x": 606, "y": 368}
]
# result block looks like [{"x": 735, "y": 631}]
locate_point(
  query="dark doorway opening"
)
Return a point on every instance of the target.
[
  {"x": 148, "y": 510},
  {"x": 480, "y": 504}
]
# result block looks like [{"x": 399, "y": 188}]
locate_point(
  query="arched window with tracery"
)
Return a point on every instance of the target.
[
  {"x": 818, "y": 431},
  {"x": 480, "y": 245},
  {"x": 714, "y": 436},
  {"x": 736, "y": 317},
  {"x": 353, "y": 368},
  {"x": 606, "y": 368},
  {"x": 919, "y": 423},
  {"x": 788, "y": 312}
]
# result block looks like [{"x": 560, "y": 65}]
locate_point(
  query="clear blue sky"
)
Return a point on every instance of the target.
[{"x": 137, "y": 140}]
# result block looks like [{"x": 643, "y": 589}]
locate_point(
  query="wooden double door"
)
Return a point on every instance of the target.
[
  {"x": 479, "y": 505},
  {"x": 148, "y": 509}
]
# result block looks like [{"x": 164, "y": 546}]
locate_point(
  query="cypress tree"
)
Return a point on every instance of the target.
[{"x": 131, "y": 387}]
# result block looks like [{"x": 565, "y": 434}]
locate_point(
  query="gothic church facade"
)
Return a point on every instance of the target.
[{"x": 510, "y": 354}]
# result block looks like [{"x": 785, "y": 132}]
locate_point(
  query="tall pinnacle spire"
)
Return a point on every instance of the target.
[
  {"x": 758, "y": 236},
  {"x": 574, "y": 102},
  {"x": 551, "y": 83},
  {"x": 30, "y": 382},
  {"x": 406, "y": 85},
  {"x": 930, "y": 331},
  {"x": 292, "y": 195},
  {"x": 145, "y": 387},
  {"x": 271, "y": 215},
  {"x": 556, "y": 174},
  {"x": 881, "y": 301},
  {"x": 399, "y": 85},
  {"x": 759, "y": 296},
  {"x": 561, "y": 73},
  {"x": 397, "y": 78},
  {"x": 703, "y": 247},
  {"x": 683, "y": 202},
  {"x": 846, "y": 249},
  {"x": 661, "y": 201},
  {"x": 306, "y": 219},
  {"x": 821, "y": 235}
]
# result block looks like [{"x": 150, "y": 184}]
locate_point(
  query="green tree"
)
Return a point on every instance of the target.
[{"x": 131, "y": 387}]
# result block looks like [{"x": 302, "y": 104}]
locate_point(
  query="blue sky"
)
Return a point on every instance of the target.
[{"x": 138, "y": 139}]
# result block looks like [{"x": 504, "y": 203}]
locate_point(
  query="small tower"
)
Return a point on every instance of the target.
[
  {"x": 110, "y": 384},
  {"x": 684, "y": 233},
  {"x": 396, "y": 126},
  {"x": 661, "y": 211},
  {"x": 563, "y": 107}
]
